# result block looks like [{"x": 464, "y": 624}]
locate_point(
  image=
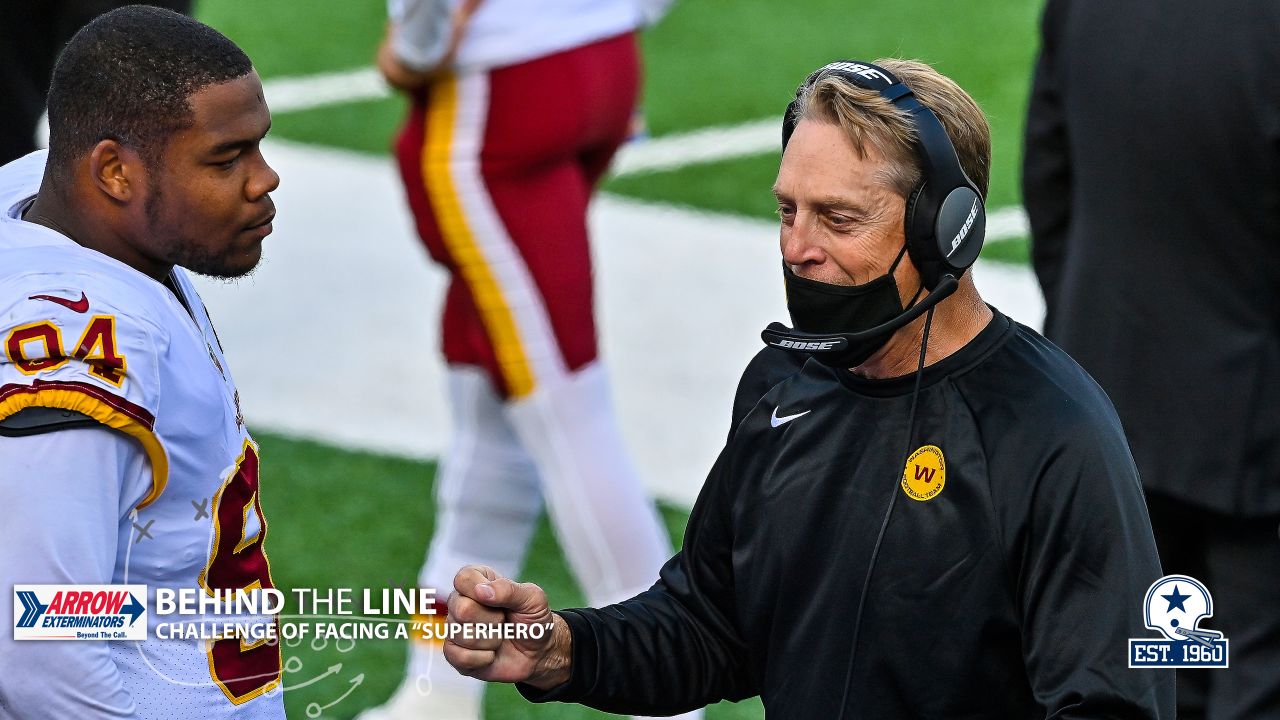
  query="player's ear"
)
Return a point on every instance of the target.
[{"x": 112, "y": 169}]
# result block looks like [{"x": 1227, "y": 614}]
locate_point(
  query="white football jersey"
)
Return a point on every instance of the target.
[
  {"x": 86, "y": 333},
  {"x": 506, "y": 32}
]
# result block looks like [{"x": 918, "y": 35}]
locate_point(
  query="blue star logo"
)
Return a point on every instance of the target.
[{"x": 1176, "y": 600}]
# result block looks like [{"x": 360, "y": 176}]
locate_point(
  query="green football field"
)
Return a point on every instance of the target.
[{"x": 348, "y": 519}]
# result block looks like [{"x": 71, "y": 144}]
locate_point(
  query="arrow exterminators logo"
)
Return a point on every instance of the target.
[{"x": 79, "y": 612}]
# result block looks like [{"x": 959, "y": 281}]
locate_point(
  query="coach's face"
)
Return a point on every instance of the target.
[
  {"x": 208, "y": 206},
  {"x": 841, "y": 222}
]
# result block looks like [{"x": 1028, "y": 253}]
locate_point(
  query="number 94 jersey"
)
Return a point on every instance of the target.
[{"x": 92, "y": 340}]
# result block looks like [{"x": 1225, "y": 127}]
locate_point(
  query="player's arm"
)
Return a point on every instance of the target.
[
  {"x": 79, "y": 390},
  {"x": 68, "y": 495},
  {"x": 422, "y": 37},
  {"x": 1046, "y": 165},
  {"x": 670, "y": 649},
  {"x": 1081, "y": 555}
]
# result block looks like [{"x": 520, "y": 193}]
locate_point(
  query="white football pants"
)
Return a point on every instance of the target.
[{"x": 561, "y": 444}]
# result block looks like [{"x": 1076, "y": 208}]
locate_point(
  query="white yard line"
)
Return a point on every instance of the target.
[
  {"x": 666, "y": 152},
  {"x": 706, "y": 145},
  {"x": 1007, "y": 223},
  {"x": 290, "y": 94}
]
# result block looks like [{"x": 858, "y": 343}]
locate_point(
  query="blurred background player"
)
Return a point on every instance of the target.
[
  {"x": 1152, "y": 180},
  {"x": 118, "y": 413},
  {"x": 517, "y": 109},
  {"x": 31, "y": 36}
]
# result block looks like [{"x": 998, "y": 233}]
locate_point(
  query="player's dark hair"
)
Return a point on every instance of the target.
[{"x": 127, "y": 75}]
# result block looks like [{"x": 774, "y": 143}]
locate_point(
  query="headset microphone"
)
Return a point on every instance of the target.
[{"x": 779, "y": 335}]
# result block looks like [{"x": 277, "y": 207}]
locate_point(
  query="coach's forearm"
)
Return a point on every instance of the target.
[{"x": 554, "y": 669}]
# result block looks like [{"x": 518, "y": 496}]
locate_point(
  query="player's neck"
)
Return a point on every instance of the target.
[
  {"x": 956, "y": 321},
  {"x": 88, "y": 230}
]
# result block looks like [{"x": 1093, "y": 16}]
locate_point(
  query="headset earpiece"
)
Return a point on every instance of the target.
[
  {"x": 960, "y": 228},
  {"x": 948, "y": 240},
  {"x": 916, "y": 238}
]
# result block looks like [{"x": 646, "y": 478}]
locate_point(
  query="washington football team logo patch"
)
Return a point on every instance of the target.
[{"x": 925, "y": 474}]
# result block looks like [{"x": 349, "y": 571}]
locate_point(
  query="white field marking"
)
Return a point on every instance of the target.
[
  {"x": 706, "y": 145},
  {"x": 667, "y": 152},
  {"x": 291, "y": 94},
  {"x": 1007, "y": 223}
]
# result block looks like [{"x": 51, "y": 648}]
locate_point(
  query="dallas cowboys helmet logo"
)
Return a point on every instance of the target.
[{"x": 1175, "y": 605}]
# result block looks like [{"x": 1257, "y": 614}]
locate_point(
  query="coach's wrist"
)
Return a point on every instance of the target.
[{"x": 555, "y": 665}]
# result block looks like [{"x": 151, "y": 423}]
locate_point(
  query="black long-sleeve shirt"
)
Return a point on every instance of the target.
[{"x": 1009, "y": 593}]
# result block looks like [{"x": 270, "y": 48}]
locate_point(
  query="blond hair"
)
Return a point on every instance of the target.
[{"x": 870, "y": 120}]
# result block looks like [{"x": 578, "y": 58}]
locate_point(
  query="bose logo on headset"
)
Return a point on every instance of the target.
[
  {"x": 865, "y": 71},
  {"x": 964, "y": 229}
]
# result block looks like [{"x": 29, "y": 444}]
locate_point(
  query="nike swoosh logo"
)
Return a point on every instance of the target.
[
  {"x": 775, "y": 421},
  {"x": 80, "y": 306}
]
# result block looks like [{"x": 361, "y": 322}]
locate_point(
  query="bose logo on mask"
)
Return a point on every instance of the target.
[
  {"x": 964, "y": 229},
  {"x": 793, "y": 345}
]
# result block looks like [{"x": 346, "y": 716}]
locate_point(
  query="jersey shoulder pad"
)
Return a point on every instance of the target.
[
  {"x": 84, "y": 334},
  {"x": 36, "y": 420},
  {"x": 80, "y": 341}
]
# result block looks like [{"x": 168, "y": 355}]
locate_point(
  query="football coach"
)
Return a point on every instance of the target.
[{"x": 923, "y": 510}]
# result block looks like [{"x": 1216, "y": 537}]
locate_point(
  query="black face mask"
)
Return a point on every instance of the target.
[{"x": 818, "y": 308}]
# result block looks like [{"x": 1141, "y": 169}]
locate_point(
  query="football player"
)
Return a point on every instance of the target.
[{"x": 125, "y": 455}]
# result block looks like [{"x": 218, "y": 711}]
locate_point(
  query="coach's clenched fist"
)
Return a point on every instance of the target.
[{"x": 504, "y": 631}]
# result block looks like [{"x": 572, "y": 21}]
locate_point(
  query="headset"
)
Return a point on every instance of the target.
[{"x": 946, "y": 219}]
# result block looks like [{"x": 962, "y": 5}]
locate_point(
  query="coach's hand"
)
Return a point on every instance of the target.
[{"x": 540, "y": 657}]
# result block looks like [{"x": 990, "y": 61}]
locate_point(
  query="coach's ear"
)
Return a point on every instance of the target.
[{"x": 111, "y": 169}]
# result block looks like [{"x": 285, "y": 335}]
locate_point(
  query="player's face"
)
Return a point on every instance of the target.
[
  {"x": 841, "y": 222},
  {"x": 208, "y": 207}
]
